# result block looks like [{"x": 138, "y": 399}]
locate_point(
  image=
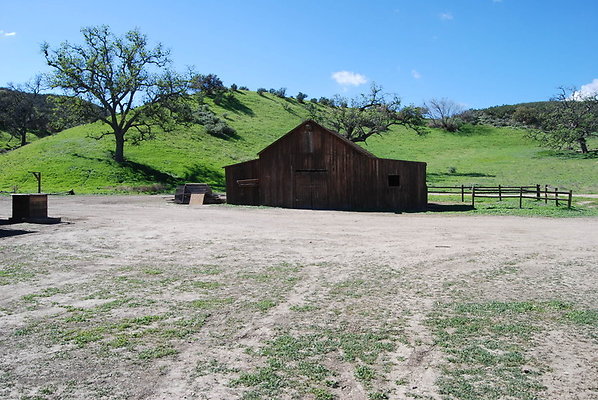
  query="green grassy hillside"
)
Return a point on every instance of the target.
[{"x": 73, "y": 159}]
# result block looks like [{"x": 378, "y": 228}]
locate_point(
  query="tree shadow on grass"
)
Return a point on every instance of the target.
[
  {"x": 138, "y": 170},
  {"x": 473, "y": 130},
  {"x": 435, "y": 207},
  {"x": 233, "y": 104},
  {"x": 234, "y": 136},
  {"x": 440, "y": 176},
  {"x": 149, "y": 173},
  {"x": 205, "y": 174},
  {"x": 568, "y": 154}
]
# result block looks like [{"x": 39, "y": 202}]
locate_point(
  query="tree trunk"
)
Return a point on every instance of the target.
[
  {"x": 119, "y": 152},
  {"x": 23, "y": 138},
  {"x": 583, "y": 145}
]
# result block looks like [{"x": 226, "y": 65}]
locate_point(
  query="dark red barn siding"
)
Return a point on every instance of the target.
[{"x": 312, "y": 167}]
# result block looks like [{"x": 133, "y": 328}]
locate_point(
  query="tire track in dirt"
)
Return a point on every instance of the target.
[{"x": 180, "y": 382}]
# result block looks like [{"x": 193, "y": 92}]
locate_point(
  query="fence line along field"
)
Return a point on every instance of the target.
[{"x": 141, "y": 298}]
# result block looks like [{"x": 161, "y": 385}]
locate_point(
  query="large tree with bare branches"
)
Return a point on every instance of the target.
[
  {"x": 23, "y": 110},
  {"x": 125, "y": 82},
  {"x": 443, "y": 113},
  {"x": 573, "y": 120},
  {"x": 372, "y": 113}
]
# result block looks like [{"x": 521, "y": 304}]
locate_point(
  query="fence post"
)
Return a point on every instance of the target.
[
  {"x": 556, "y": 196},
  {"x": 545, "y": 194},
  {"x": 538, "y": 192},
  {"x": 570, "y": 197},
  {"x": 520, "y": 197},
  {"x": 499, "y": 193},
  {"x": 462, "y": 193},
  {"x": 473, "y": 197}
]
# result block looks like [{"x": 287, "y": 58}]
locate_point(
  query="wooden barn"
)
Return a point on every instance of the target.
[{"x": 315, "y": 168}]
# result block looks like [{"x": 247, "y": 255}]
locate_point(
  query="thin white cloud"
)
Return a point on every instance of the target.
[
  {"x": 415, "y": 74},
  {"x": 586, "y": 91},
  {"x": 348, "y": 78},
  {"x": 446, "y": 16},
  {"x": 7, "y": 34}
]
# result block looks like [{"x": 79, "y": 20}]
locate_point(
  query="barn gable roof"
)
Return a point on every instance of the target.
[{"x": 336, "y": 135}]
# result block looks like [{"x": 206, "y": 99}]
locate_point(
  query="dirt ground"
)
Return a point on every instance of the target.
[{"x": 139, "y": 298}]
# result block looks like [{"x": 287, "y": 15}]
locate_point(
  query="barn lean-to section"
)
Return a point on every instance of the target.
[{"x": 314, "y": 168}]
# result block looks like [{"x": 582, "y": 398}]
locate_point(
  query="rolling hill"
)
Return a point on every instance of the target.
[{"x": 74, "y": 159}]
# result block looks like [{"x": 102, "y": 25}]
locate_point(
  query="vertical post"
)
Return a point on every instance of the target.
[
  {"x": 520, "y": 197},
  {"x": 570, "y": 198},
  {"x": 38, "y": 176},
  {"x": 473, "y": 197},
  {"x": 538, "y": 192},
  {"x": 556, "y": 196},
  {"x": 499, "y": 193},
  {"x": 545, "y": 194},
  {"x": 462, "y": 193}
]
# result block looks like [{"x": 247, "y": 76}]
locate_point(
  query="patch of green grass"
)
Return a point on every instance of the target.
[
  {"x": 364, "y": 373},
  {"x": 48, "y": 292},
  {"x": 153, "y": 271},
  {"x": 265, "y": 383},
  {"x": 211, "y": 302},
  {"x": 15, "y": 273},
  {"x": 530, "y": 208},
  {"x": 72, "y": 159},
  {"x": 81, "y": 337},
  {"x": 322, "y": 394},
  {"x": 207, "y": 285},
  {"x": 157, "y": 352},
  {"x": 300, "y": 363},
  {"x": 486, "y": 346},
  {"x": 208, "y": 270},
  {"x": 258, "y": 277},
  {"x": 213, "y": 366},
  {"x": 378, "y": 396},
  {"x": 265, "y": 305},
  {"x": 584, "y": 317}
]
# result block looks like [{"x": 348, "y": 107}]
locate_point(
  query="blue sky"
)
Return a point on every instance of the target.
[{"x": 476, "y": 52}]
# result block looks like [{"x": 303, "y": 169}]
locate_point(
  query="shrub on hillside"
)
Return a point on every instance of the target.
[
  {"x": 279, "y": 92},
  {"x": 208, "y": 84},
  {"x": 261, "y": 91},
  {"x": 301, "y": 97},
  {"x": 214, "y": 125},
  {"x": 325, "y": 101}
]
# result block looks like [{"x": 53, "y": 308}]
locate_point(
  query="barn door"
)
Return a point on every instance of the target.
[{"x": 311, "y": 188}]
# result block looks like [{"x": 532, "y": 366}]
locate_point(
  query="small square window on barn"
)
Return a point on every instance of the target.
[{"x": 394, "y": 180}]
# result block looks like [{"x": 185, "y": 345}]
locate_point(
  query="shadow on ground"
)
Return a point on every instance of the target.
[
  {"x": 439, "y": 175},
  {"x": 202, "y": 173},
  {"x": 234, "y": 105},
  {"x": 4, "y": 233},
  {"x": 434, "y": 207}
]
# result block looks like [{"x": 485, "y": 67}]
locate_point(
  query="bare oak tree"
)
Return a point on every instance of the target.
[
  {"x": 124, "y": 81},
  {"x": 573, "y": 121},
  {"x": 373, "y": 113},
  {"x": 442, "y": 112},
  {"x": 21, "y": 110}
]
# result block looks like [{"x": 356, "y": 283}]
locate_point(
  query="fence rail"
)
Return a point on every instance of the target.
[{"x": 500, "y": 192}]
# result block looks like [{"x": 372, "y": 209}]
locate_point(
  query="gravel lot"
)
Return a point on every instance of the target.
[{"x": 138, "y": 297}]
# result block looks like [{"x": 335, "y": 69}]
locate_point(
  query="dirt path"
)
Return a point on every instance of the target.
[{"x": 137, "y": 297}]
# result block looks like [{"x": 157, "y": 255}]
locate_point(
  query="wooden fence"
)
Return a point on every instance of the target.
[{"x": 504, "y": 192}]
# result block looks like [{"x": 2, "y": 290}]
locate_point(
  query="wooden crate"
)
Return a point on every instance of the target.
[{"x": 27, "y": 206}]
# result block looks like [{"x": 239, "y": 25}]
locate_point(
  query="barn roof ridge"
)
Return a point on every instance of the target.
[{"x": 331, "y": 132}]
